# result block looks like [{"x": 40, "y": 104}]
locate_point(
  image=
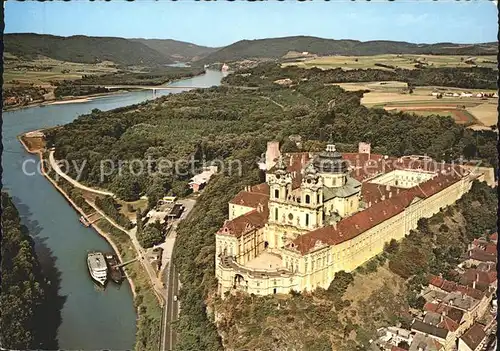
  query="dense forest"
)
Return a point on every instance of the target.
[
  {"x": 69, "y": 88},
  {"x": 467, "y": 77},
  {"x": 27, "y": 318},
  {"x": 156, "y": 76},
  {"x": 275, "y": 48},
  {"x": 83, "y": 49}
]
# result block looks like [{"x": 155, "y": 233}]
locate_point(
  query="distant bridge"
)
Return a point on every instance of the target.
[{"x": 146, "y": 87}]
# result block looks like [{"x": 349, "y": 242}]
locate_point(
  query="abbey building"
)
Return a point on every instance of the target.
[{"x": 319, "y": 214}]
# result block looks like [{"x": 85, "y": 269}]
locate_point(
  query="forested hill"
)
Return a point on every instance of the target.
[
  {"x": 177, "y": 50},
  {"x": 26, "y": 321},
  {"x": 275, "y": 48},
  {"x": 83, "y": 49}
]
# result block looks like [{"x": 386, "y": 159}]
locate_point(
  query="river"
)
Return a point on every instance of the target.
[{"x": 90, "y": 319}]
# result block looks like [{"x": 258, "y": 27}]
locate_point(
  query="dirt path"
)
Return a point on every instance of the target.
[
  {"x": 57, "y": 169},
  {"x": 274, "y": 102}
]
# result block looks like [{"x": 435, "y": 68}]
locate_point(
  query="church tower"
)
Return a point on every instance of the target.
[
  {"x": 280, "y": 185},
  {"x": 312, "y": 197}
]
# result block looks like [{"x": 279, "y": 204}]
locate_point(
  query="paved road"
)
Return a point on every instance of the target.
[
  {"x": 171, "y": 312},
  {"x": 172, "y": 309}
]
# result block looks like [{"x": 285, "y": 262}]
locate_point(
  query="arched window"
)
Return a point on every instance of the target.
[
  {"x": 308, "y": 199},
  {"x": 276, "y": 193}
]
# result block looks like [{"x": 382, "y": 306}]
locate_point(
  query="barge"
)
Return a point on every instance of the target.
[{"x": 115, "y": 272}]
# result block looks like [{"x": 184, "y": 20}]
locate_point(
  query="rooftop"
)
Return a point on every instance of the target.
[
  {"x": 429, "y": 329},
  {"x": 474, "y": 336},
  {"x": 360, "y": 222}
]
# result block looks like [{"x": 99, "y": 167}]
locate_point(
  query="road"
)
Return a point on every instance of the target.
[
  {"x": 172, "y": 309},
  {"x": 171, "y": 312}
]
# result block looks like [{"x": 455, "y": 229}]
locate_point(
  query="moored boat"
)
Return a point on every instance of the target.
[
  {"x": 115, "y": 272},
  {"x": 97, "y": 267}
]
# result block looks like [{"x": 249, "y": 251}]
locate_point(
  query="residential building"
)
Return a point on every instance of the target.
[{"x": 199, "y": 181}]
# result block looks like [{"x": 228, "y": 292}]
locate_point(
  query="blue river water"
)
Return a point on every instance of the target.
[{"x": 91, "y": 319}]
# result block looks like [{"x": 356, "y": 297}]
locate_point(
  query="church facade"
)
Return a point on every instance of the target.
[{"x": 320, "y": 214}]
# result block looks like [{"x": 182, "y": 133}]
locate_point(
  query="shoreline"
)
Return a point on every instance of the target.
[
  {"x": 101, "y": 232},
  {"x": 86, "y": 98},
  {"x": 63, "y": 101}
]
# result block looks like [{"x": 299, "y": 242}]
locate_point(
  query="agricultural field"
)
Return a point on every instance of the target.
[
  {"x": 43, "y": 71},
  {"x": 391, "y": 95},
  {"x": 396, "y": 61}
]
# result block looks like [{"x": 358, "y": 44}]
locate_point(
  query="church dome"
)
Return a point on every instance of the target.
[{"x": 330, "y": 161}]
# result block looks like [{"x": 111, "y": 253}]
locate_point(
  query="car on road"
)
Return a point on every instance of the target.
[{"x": 175, "y": 297}]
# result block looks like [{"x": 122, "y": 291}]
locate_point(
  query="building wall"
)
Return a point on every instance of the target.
[
  {"x": 462, "y": 346},
  {"x": 318, "y": 268},
  {"x": 299, "y": 217},
  {"x": 402, "y": 178},
  {"x": 238, "y": 210}
]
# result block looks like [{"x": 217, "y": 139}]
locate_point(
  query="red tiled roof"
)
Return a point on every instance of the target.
[
  {"x": 448, "y": 324},
  {"x": 262, "y": 188},
  {"x": 474, "y": 293},
  {"x": 371, "y": 192},
  {"x": 450, "y": 286},
  {"x": 494, "y": 237},
  {"x": 491, "y": 248},
  {"x": 360, "y": 222},
  {"x": 474, "y": 336},
  {"x": 475, "y": 275},
  {"x": 436, "y": 281},
  {"x": 250, "y": 199},
  {"x": 241, "y": 225},
  {"x": 480, "y": 255},
  {"x": 431, "y": 307}
]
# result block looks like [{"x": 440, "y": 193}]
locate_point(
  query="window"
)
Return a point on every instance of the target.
[
  {"x": 290, "y": 216},
  {"x": 308, "y": 199},
  {"x": 307, "y": 219},
  {"x": 276, "y": 193},
  {"x": 276, "y": 214},
  {"x": 319, "y": 199}
]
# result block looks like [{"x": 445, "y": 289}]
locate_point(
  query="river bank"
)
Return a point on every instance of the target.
[
  {"x": 146, "y": 301},
  {"x": 65, "y": 100},
  {"x": 76, "y": 207},
  {"x": 91, "y": 97},
  {"x": 56, "y": 226}
]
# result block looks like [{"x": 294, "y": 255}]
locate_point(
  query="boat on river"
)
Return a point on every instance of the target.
[
  {"x": 115, "y": 272},
  {"x": 97, "y": 267}
]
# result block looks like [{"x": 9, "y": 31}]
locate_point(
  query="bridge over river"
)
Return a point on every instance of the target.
[
  {"x": 167, "y": 87},
  {"x": 146, "y": 87}
]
